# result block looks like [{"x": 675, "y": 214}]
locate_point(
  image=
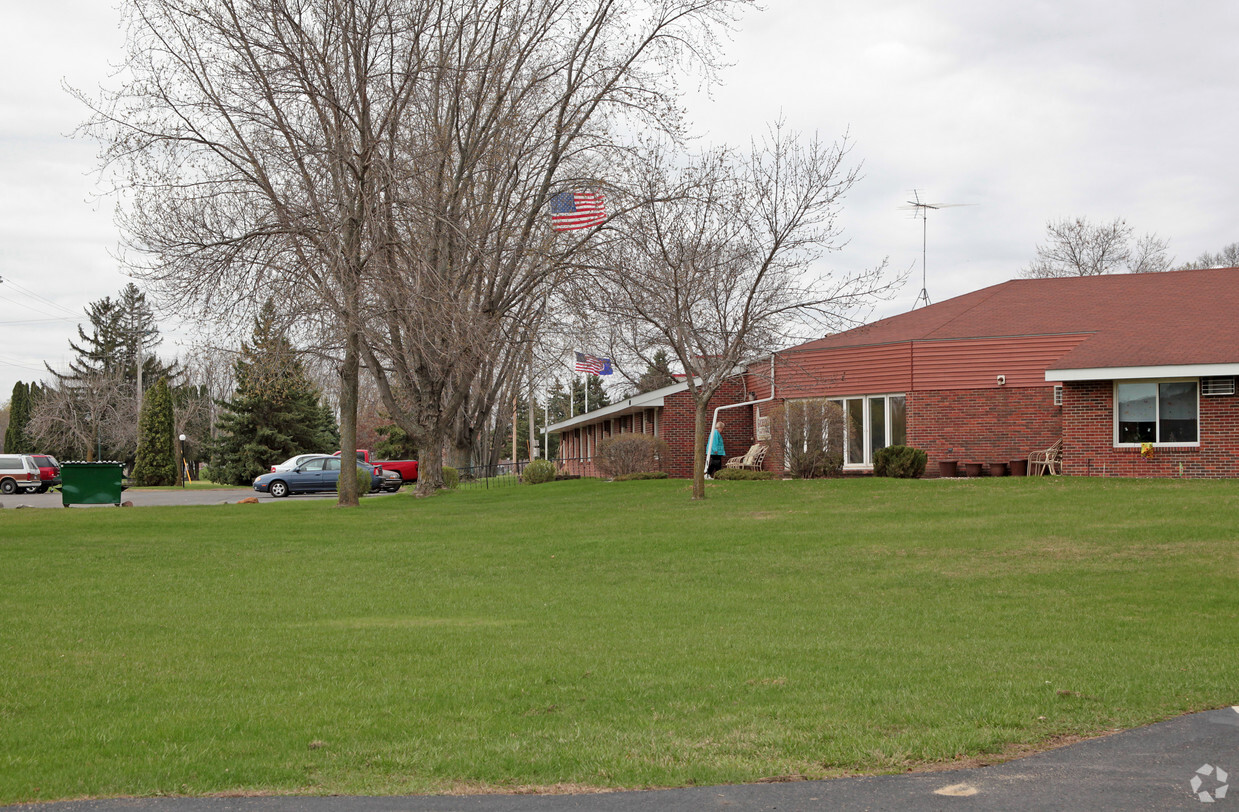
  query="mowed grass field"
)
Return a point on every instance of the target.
[{"x": 589, "y": 634}]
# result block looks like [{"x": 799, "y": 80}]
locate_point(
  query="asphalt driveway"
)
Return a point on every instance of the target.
[{"x": 164, "y": 496}]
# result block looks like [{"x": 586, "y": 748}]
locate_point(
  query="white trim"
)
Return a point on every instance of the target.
[{"x": 1158, "y": 372}]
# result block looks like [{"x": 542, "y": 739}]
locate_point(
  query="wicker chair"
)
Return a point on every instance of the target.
[
  {"x": 1049, "y": 461},
  {"x": 750, "y": 460}
]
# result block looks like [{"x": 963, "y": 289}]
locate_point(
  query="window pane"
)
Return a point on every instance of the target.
[
  {"x": 899, "y": 420},
  {"x": 856, "y": 432},
  {"x": 877, "y": 424},
  {"x": 1176, "y": 404},
  {"x": 1137, "y": 408}
]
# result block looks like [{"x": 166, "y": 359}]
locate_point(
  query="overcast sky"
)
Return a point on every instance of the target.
[{"x": 1028, "y": 111}]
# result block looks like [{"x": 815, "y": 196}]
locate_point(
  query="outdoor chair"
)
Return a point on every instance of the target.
[
  {"x": 1049, "y": 461},
  {"x": 750, "y": 460}
]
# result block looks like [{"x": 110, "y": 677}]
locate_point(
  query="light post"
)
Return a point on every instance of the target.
[{"x": 184, "y": 465}]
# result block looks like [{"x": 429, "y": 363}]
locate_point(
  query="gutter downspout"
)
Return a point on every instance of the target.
[{"x": 745, "y": 403}]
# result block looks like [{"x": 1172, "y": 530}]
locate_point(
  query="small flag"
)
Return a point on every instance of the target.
[
  {"x": 572, "y": 211},
  {"x": 592, "y": 364}
]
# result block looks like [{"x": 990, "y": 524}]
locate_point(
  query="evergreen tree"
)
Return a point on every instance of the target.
[
  {"x": 156, "y": 462},
  {"x": 275, "y": 411},
  {"x": 121, "y": 330},
  {"x": 658, "y": 374},
  {"x": 16, "y": 441},
  {"x": 598, "y": 396}
]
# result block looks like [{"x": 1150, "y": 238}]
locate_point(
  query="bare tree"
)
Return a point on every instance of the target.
[
  {"x": 1228, "y": 257},
  {"x": 1078, "y": 247},
  {"x": 84, "y": 416},
  {"x": 248, "y": 135},
  {"x": 526, "y": 99},
  {"x": 719, "y": 259}
]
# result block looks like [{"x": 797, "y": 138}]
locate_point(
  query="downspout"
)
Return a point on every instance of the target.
[{"x": 745, "y": 403}]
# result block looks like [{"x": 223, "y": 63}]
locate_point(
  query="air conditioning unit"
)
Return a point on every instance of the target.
[
  {"x": 1212, "y": 387},
  {"x": 763, "y": 428}
]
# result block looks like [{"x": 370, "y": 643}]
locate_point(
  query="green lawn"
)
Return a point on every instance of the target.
[{"x": 603, "y": 634}]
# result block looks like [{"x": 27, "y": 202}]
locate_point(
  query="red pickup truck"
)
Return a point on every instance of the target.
[{"x": 407, "y": 469}]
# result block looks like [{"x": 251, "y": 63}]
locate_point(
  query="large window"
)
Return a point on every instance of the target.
[
  {"x": 874, "y": 422},
  {"x": 1163, "y": 412}
]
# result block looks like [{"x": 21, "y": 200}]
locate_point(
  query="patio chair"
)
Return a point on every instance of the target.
[
  {"x": 1049, "y": 461},
  {"x": 751, "y": 460}
]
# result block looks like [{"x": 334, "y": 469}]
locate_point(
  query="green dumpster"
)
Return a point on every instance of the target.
[{"x": 90, "y": 483}]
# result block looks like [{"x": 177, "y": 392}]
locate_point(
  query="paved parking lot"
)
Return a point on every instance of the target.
[{"x": 164, "y": 496}]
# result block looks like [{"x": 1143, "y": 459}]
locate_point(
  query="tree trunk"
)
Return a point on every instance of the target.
[
  {"x": 430, "y": 462},
  {"x": 700, "y": 435},
  {"x": 347, "y": 489}
]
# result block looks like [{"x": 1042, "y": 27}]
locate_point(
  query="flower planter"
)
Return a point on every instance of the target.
[
  {"x": 1019, "y": 467},
  {"x": 997, "y": 469},
  {"x": 972, "y": 468},
  {"x": 948, "y": 468}
]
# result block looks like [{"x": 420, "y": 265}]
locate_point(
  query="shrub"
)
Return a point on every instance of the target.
[
  {"x": 641, "y": 475},
  {"x": 742, "y": 473},
  {"x": 901, "y": 461},
  {"x": 813, "y": 433},
  {"x": 451, "y": 477},
  {"x": 364, "y": 481},
  {"x": 630, "y": 454},
  {"x": 204, "y": 474},
  {"x": 538, "y": 471}
]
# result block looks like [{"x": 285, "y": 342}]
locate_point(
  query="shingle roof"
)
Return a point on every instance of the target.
[{"x": 1155, "y": 319}]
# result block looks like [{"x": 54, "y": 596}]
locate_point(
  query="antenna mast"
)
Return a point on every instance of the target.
[{"x": 921, "y": 210}]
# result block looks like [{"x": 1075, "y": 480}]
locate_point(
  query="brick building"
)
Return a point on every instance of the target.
[
  {"x": 667, "y": 413},
  {"x": 1106, "y": 363}
]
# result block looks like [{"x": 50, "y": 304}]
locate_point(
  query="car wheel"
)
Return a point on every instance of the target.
[
  {"x": 42, "y": 489},
  {"x": 8, "y": 486},
  {"x": 395, "y": 483},
  {"x": 278, "y": 489}
]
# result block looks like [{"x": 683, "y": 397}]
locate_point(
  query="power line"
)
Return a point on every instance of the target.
[{"x": 34, "y": 295}]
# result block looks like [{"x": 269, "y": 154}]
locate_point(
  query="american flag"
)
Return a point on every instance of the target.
[
  {"x": 571, "y": 211},
  {"x": 592, "y": 364}
]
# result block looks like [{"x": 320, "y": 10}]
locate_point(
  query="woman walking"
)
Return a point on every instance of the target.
[{"x": 715, "y": 451}]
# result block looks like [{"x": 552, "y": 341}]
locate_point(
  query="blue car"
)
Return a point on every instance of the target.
[{"x": 319, "y": 473}]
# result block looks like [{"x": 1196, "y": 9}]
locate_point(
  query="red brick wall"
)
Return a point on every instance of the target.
[
  {"x": 1089, "y": 450},
  {"x": 678, "y": 419},
  {"x": 983, "y": 425},
  {"x": 676, "y": 422}
]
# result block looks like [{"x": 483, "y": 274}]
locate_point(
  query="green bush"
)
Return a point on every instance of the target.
[
  {"x": 742, "y": 473},
  {"x": 204, "y": 474},
  {"x": 902, "y": 461},
  {"x": 451, "y": 477},
  {"x": 641, "y": 475},
  {"x": 364, "y": 481},
  {"x": 538, "y": 471}
]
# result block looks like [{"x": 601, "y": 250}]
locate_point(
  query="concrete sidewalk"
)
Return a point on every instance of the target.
[{"x": 1180, "y": 764}]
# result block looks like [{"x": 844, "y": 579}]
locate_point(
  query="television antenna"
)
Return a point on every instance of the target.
[{"x": 921, "y": 209}]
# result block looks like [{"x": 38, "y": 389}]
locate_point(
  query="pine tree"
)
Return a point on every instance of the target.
[
  {"x": 657, "y": 375},
  {"x": 16, "y": 440},
  {"x": 121, "y": 330},
  {"x": 275, "y": 412},
  {"x": 156, "y": 460},
  {"x": 598, "y": 396}
]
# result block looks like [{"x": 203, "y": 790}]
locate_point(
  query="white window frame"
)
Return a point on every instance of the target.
[
  {"x": 1114, "y": 412},
  {"x": 866, "y": 430}
]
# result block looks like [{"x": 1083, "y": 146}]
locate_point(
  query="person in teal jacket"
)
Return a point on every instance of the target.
[{"x": 715, "y": 450}]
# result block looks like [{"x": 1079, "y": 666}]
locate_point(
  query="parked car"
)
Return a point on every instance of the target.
[
  {"x": 49, "y": 471},
  {"x": 319, "y": 473},
  {"x": 18, "y": 471},
  {"x": 406, "y": 468},
  {"x": 293, "y": 462}
]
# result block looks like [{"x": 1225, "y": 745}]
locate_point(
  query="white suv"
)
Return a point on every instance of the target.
[{"x": 18, "y": 471}]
